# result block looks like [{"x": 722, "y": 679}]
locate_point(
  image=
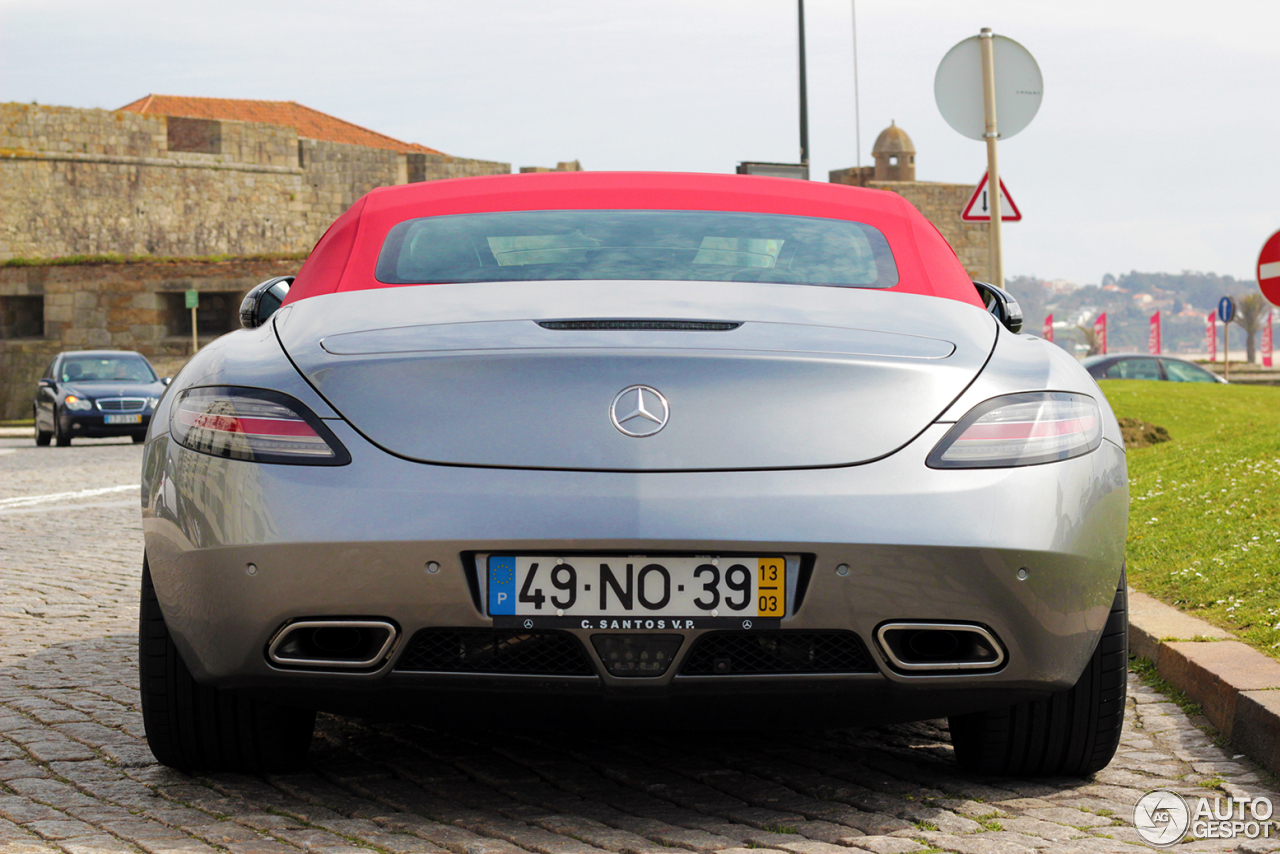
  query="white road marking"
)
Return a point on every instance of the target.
[
  {"x": 27, "y": 500},
  {"x": 1269, "y": 271},
  {"x": 56, "y": 508}
]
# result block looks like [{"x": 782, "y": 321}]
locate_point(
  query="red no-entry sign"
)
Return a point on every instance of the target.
[{"x": 1269, "y": 269}]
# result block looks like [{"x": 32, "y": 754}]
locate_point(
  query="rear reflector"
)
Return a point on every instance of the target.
[
  {"x": 1021, "y": 430},
  {"x": 253, "y": 425}
]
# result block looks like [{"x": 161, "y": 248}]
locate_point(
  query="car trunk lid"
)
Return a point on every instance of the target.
[{"x": 530, "y": 375}]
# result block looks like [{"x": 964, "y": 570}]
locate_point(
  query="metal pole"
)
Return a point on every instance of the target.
[
  {"x": 804, "y": 97},
  {"x": 987, "y": 40},
  {"x": 857, "y": 112},
  {"x": 1226, "y": 350},
  {"x": 195, "y": 342}
]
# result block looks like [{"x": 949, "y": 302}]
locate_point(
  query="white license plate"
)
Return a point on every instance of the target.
[
  {"x": 636, "y": 586},
  {"x": 124, "y": 419}
]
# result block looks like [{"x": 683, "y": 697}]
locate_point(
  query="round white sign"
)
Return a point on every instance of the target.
[{"x": 957, "y": 87}]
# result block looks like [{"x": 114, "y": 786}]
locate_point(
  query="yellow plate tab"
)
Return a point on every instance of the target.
[{"x": 771, "y": 588}]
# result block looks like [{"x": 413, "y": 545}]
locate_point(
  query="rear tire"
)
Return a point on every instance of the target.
[
  {"x": 1073, "y": 732},
  {"x": 139, "y": 438},
  {"x": 198, "y": 728},
  {"x": 42, "y": 436}
]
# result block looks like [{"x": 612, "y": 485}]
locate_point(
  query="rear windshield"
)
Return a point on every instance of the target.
[{"x": 629, "y": 244}]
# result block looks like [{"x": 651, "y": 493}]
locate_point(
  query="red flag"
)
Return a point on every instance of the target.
[
  {"x": 1100, "y": 332},
  {"x": 1153, "y": 335},
  {"x": 1266, "y": 342},
  {"x": 1211, "y": 336},
  {"x": 1047, "y": 332}
]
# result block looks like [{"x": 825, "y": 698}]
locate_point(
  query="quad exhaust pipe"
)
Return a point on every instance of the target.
[
  {"x": 939, "y": 647},
  {"x": 333, "y": 644}
]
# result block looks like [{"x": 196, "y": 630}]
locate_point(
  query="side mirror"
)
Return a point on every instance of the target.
[
  {"x": 1002, "y": 305},
  {"x": 166, "y": 380},
  {"x": 262, "y": 301},
  {"x": 45, "y": 382}
]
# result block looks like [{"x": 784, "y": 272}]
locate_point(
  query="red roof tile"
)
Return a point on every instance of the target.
[{"x": 309, "y": 123}]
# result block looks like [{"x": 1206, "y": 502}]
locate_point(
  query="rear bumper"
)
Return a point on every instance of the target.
[{"x": 354, "y": 541}]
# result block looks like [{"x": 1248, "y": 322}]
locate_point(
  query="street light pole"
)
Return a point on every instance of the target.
[
  {"x": 857, "y": 111},
  {"x": 804, "y": 96}
]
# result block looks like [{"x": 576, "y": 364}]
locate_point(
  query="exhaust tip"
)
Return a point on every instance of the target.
[
  {"x": 920, "y": 648},
  {"x": 333, "y": 644}
]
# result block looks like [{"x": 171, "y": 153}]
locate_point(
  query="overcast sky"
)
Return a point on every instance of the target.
[{"x": 1156, "y": 147}]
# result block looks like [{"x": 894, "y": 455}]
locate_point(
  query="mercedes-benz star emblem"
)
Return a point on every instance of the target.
[{"x": 639, "y": 411}]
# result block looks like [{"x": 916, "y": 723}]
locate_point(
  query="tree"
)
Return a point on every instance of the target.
[
  {"x": 1251, "y": 313},
  {"x": 1089, "y": 339}
]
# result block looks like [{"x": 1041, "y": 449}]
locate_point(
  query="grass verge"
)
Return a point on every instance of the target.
[{"x": 1204, "y": 511}]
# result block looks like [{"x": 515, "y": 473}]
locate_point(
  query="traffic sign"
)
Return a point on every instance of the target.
[
  {"x": 957, "y": 87},
  {"x": 1269, "y": 269},
  {"x": 988, "y": 87},
  {"x": 192, "y": 299},
  {"x": 1226, "y": 309},
  {"x": 979, "y": 207}
]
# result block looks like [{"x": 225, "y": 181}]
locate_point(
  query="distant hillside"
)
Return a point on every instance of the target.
[{"x": 1184, "y": 299}]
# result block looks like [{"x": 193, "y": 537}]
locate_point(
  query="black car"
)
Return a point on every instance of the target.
[
  {"x": 96, "y": 393},
  {"x": 1135, "y": 367}
]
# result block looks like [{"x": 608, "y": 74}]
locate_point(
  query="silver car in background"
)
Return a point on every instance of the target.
[{"x": 674, "y": 449}]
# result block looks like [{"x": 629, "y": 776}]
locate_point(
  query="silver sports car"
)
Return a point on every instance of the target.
[{"x": 677, "y": 449}]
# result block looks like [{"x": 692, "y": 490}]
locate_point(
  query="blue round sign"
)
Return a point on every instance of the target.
[{"x": 1226, "y": 309}]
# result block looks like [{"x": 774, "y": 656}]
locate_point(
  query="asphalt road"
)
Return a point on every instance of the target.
[{"x": 76, "y": 775}]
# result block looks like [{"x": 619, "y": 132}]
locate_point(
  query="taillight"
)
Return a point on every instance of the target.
[
  {"x": 1021, "y": 430},
  {"x": 254, "y": 425}
]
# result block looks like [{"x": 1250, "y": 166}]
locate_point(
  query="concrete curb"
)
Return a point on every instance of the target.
[
  {"x": 15, "y": 432},
  {"x": 1237, "y": 687}
]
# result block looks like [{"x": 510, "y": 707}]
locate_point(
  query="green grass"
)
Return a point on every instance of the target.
[
  {"x": 1204, "y": 512},
  {"x": 989, "y": 821}
]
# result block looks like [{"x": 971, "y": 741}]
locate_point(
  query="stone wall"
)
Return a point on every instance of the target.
[
  {"x": 119, "y": 307},
  {"x": 83, "y": 182},
  {"x": 86, "y": 182},
  {"x": 433, "y": 167},
  {"x": 336, "y": 174},
  {"x": 68, "y": 130}
]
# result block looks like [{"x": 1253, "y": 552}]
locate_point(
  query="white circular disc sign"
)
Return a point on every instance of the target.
[{"x": 957, "y": 87}]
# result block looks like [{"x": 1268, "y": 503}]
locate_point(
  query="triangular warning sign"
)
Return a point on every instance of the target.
[{"x": 979, "y": 207}]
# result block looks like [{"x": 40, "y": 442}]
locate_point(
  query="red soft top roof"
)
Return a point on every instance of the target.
[{"x": 345, "y": 257}]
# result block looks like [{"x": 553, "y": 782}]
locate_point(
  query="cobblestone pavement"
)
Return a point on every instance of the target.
[{"x": 76, "y": 775}]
